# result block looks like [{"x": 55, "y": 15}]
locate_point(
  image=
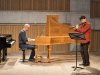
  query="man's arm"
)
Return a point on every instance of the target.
[{"x": 84, "y": 29}]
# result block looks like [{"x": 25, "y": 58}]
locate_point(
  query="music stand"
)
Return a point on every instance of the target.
[{"x": 77, "y": 36}]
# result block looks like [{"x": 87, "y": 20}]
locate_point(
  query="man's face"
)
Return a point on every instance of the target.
[
  {"x": 83, "y": 20},
  {"x": 27, "y": 28}
]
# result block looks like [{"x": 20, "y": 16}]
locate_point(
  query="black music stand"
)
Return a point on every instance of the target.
[{"x": 77, "y": 36}]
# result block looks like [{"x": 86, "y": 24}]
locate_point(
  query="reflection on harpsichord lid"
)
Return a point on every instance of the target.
[
  {"x": 42, "y": 33},
  {"x": 53, "y": 17}
]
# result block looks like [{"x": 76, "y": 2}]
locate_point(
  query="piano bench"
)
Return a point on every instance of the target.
[{"x": 23, "y": 55}]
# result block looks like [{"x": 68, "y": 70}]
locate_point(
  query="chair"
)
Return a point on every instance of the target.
[{"x": 23, "y": 55}]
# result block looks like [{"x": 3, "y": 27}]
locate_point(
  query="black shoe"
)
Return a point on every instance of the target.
[
  {"x": 87, "y": 64},
  {"x": 82, "y": 64},
  {"x": 31, "y": 60}
]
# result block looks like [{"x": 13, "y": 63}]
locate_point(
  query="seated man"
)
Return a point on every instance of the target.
[{"x": 23, "y": 41}]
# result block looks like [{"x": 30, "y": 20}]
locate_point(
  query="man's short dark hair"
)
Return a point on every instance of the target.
[{"x": 82, "y": 17}]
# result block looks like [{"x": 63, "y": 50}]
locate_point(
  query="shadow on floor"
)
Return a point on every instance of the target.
[
  {"x": 55, "y": 61},
  {"x": 92, "y": 71},
  {"x": 8, "y": 64}
]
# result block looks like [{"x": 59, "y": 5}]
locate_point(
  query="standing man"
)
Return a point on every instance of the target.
[
  {"x": 85, "y": 28},
  {"x": 23, "y": 41}
]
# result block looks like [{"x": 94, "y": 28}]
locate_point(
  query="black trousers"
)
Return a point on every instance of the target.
[
  {"x": 31, "y": 47},
  {"x": 84, "y": 52}
]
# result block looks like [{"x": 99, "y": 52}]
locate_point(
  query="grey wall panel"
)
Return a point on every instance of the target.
[
  {"x": 29, "y": 16},
  {"x": 96, "y": 23},
  {"x": 75, "y": 17},
  {"x": 80, "y": 5}
]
